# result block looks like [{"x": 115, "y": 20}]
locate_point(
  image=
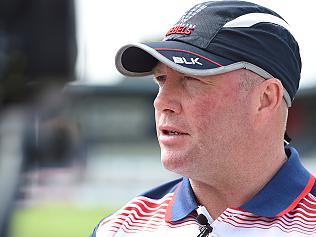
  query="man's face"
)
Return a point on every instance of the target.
[{"x": 199, "y": 120}]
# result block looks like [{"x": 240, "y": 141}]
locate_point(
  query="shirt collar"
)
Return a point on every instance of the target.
[
  {"x": 183, "y": 202},
  {"x": 279, "y": 196}
]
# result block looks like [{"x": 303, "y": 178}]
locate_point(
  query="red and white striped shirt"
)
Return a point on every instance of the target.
[{"x": 286, "y": 206}]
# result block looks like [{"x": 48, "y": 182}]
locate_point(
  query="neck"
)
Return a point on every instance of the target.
[{"x": 235, "y": 188}]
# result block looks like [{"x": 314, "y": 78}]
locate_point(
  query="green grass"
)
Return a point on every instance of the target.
[{"x": 52, "y": 221}]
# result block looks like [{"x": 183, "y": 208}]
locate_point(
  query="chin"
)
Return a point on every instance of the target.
[{"x": 176, "y": 163}]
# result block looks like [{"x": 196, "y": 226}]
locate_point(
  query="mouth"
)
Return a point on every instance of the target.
[
  {"x": 170, "y": 136},
  {"x": 172, "y": 132}
]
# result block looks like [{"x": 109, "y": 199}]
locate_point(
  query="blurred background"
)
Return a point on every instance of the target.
[{"x": 77, "y": 140}]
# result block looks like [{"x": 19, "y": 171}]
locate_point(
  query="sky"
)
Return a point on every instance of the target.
[{"x": 104, "y": 26}]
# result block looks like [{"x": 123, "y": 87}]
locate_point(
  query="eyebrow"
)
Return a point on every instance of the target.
[{"x": 156, "y": 70}]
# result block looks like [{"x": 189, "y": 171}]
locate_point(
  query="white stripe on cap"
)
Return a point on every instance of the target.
[{"x": 251, "y": 19}]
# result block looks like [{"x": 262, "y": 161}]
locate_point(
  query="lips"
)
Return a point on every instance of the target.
[
  {"x": 172, "y": 132},
  {"x": 171, "y": 135}
]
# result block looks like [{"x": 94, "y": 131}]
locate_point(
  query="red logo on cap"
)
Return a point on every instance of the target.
[{"x": 181, "y": 29}]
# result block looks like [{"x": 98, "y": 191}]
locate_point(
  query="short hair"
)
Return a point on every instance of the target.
[{"x": 249, "y": 80}]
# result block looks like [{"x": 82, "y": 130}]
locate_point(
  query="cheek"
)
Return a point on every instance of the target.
[
  {"x": 204, "y": 113},
  {"x": 213, "y": 117},
  {"x": 206, "y": 106}
]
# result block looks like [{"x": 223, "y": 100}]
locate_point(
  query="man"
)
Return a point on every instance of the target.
[{"x": 227, "y": 73}]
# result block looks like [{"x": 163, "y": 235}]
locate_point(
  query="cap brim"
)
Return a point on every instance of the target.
[{"x": 139, "y": 59}]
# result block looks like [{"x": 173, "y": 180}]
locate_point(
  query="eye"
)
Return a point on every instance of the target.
[{"x": 160, "y": 79}]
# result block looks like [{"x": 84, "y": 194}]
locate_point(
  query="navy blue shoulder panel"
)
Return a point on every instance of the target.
[{"x": 162, "y": 190}]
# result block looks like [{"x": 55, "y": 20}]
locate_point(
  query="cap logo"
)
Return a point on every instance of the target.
[
  {"x": 183, "y": 60},
  {"x": 181, "y": 29}
]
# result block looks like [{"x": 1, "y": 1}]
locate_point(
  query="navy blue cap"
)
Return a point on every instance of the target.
[{"x": 221, "y": 36}]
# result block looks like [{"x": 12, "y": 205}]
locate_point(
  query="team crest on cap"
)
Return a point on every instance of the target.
[
  {"x": 184, "y": 28},
  {"x": 191, "y": 13}
]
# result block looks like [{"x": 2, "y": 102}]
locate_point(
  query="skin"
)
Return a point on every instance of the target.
[{"x": 211, "y": 129}]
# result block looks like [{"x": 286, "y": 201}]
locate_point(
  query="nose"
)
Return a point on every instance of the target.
[{"x": 168, "y": 98}]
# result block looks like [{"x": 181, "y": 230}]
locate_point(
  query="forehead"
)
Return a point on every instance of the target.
[{"x": 159, "y": 68}]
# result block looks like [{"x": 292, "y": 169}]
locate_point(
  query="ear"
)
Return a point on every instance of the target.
[{"x": 270, "y": 95}]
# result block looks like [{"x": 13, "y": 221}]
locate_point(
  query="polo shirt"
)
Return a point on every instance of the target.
[{"x": 286, "y": 206}]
